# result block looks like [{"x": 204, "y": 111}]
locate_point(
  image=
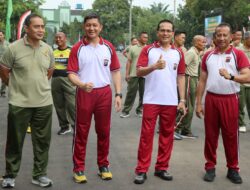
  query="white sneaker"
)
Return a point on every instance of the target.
[
  {"x": 242, "y": 129},
  {"x": 42, "y": 181},
  {"x": 124, "y": 115},
  {"x": 8, "y": 182},
  {"x": 138, "y": 114}
]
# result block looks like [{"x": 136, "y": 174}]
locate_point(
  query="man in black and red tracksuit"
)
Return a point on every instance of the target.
[{"x": 222, "y": 71}]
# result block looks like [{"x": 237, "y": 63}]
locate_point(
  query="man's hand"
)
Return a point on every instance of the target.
[
  {"x": 181, "y": 106},
  {"x": 199, "y": 111},
  {"x": 224, "y": 73},
  {"x": 160, "y": 64},
  {"x": 88, "y": 87},
  {"x": 127, "y": 78},
  {"x": 118, "y": 103}
]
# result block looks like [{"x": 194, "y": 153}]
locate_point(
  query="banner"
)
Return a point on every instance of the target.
[
  {"x": 210, "y": 25},
  {"x": 20, "y": 23},
  {"x": 7, "y": 26}
]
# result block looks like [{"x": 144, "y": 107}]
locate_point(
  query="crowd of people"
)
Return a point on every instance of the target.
[{"x": 170, "y": 80}]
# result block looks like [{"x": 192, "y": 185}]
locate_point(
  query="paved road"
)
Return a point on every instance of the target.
[{"x": 186, "y": 162}]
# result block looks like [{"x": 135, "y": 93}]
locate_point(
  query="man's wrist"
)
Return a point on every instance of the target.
[
  {"x": 183, "y": 100},
  {"x": 231, "y": 77},
  {"x": 118, "y": 94}
]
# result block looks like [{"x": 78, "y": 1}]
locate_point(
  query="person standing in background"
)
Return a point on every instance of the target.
[
  {"x": 244, "y": 88},
  {"x": 133, "y": 42},
  {"x": 134, "y": 83},
  {"x": 236, "y": 38},
  {"x": 63, "y": 91},
  {"x": 179, "y": 40},
  {"x": 3, "y": 46},
  {"x": 192, "y": 60}
]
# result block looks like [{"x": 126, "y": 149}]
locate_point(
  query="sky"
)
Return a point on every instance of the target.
[{"x": 87, "y": 4}]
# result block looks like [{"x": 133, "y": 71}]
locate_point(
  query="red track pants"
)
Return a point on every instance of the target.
[
  {"x": 167, "y": 116},
  {"x": 97, "y": 103},
  {"x": 221, "y": 112}
]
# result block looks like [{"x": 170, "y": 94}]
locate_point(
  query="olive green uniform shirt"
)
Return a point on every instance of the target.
[
  {"x": 247, "y": 52},
  {"x": 192, "y": 60},
  {"x": 3, "y": 47},
  {"x": 133, "y": 55},
  {"x": 28, "y": 82}
]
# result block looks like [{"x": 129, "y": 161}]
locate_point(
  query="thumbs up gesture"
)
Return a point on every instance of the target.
[{"x": 160, "y": 64}]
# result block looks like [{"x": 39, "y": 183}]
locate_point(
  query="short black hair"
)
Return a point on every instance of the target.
[
  {"x": 179, "y": 32},
  {"x": 2, "y": 31},
  {"x": 165, "y": 20},
  {"x": 237, "y": 30},
  {"x": 92, "y": 16},
  {"x": 28, "y": 19},
  {"x": 132, "y": 38},
  {"x": 143, "y": 32},
  {"x": 223, "y": 24}
]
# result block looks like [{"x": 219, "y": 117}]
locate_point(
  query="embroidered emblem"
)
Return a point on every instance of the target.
[
  {"x": 106, "y": 61},
  {"x": 175, "y": 66},
  {"x": 228, "y": 58}
]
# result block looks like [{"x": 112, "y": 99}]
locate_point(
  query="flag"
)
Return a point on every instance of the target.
[
  {"x": 20, "y": 23},
  {"x": 8, "y": 28}
]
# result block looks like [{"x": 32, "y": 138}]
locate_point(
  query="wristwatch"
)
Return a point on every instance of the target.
[
  {"x": 118, "y": 94},
  {"x": 231, "y": 77}
]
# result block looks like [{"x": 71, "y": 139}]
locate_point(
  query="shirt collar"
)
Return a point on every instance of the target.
[
  {"x": 85, "y": 42},
  {"x": 228, "y": 51},
  {"x": 158, "y": 45},
  {"x": 25, "y": 40}
]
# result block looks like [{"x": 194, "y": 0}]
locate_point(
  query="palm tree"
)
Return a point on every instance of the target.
[{"x": 160, "y": 7}]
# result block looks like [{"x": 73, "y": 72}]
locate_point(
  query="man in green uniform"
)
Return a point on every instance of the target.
[
  {"x": 133, "y": 42},
  {"x": 3, "y": 46},
  {"x": 244, "y": 88},
  {"x": 179, "y": 40},
  {"x": 134, "y": 82},
  {"x": 236, "y": 39},
  {"x": 63, "y": 91},
  {"x": 192, "y": 60},
  {"x": 26, "y": 67}
]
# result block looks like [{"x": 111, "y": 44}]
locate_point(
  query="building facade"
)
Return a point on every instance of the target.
[{"x": 56, "y": 17}]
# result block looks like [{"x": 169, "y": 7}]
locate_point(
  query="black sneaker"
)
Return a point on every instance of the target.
[
  {"x": 64, "y": 131},
  {"x": 140, "y": 178},
  {"x": 210, "y": 175},
  {"x": 163, "y": 174},
  {"x": 234, "y": 176}
]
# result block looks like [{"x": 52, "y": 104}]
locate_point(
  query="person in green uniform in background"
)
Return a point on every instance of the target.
[
  {"x": 134, "y": 83},
  {"x": 3, "y": 46},
  {"x": 192, "y": 60},
  {"x": 63, "y": 91},
  {"x": 244, "y": 88}
]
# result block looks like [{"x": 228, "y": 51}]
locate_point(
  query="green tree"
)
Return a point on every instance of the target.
[
  {"x": 160, "y": 7},
  {"x": 191, "y": 16},
  {"x": 147, "y": 19},
  {"x": 19, "y": 7},
  {"x": 73, "y": 31},
  {"x": 115, "y": 14}
]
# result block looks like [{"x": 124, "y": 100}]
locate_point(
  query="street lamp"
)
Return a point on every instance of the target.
[
  {"x": 130, "y": 20},
  {"x": 174, "y": 9}
]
